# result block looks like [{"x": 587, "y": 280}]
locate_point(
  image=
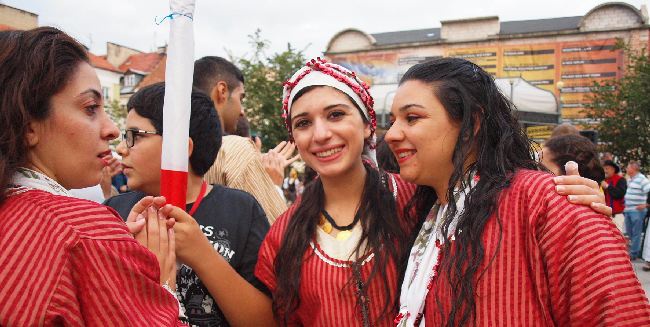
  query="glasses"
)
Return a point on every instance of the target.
[{"x": 130, "y": 134}]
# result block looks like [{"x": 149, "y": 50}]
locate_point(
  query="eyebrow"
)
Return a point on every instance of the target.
[
  {"x": 330, "y": 107},
  {"x": 92, "y": 92},
  {"x": 409, "y": 106}
]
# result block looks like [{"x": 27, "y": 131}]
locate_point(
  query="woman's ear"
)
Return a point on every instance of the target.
[
  {"x": 366, "y": 131},
  {"x": 190, "y": 147},
  {"x": 31, "y": 135}
]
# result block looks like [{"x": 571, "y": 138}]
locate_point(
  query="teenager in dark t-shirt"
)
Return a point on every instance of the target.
[{"x": 227, "y": 220}]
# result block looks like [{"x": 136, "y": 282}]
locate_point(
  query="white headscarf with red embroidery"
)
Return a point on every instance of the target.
[{"x": 318, "y": 72}]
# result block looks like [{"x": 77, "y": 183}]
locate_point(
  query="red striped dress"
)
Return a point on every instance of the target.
[
  {"x": 556, "y": 264},
  {"x": 326, "y": 297},
  {"x": 72, "y": 262}
]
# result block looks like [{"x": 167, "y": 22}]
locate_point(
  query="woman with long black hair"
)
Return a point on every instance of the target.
[{"x": 497, "y": 245}]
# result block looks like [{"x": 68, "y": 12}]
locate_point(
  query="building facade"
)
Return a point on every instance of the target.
[
  {"x": 16, "y": 19},
  {"x": 555, "y": 57}
]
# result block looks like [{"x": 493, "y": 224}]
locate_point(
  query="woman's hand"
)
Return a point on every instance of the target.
[
  {"x": 161, "y": 241},
  {"x": 136, "y": 221},
  {"x": 154, "y": 230},
  {"x": 191, "y": 243},
  {"x": 581, "y": 190}
]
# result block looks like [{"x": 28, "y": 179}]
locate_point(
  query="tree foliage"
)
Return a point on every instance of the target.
[
  {"x": 264, "y": 77},
  {"x": 118, "y": 116},
  {"x": 622, "y": 110}
]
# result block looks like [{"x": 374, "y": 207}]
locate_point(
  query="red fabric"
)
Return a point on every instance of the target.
[
  {"x": 326, "y": 299},
  {"x": 618, "y": 205},
  {"x": 72, "y": 262},
  {"x": 173, "y": 185},
  {"x": 556, "y": 264}
]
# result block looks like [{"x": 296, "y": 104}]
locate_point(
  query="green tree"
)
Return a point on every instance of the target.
[
  {"x": 265, "y": 76},
  {"x": 622, "y": 110},
  {"x": 118, "y": 115}
]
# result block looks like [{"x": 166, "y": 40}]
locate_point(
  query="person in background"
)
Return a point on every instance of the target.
[
  {"x": 290, "y": 186},
  {"x": 646, "y": 243},
  {"x": 238, "y": 164},
  {"x": 638, "y": 187},
  {"x": 557, "y": 151},
  {"x": 564, "y": 129},
  {"x": 66, "y": 261},
  {"x": 224, "y": 220},
  {"x": 615, "y": 187}
]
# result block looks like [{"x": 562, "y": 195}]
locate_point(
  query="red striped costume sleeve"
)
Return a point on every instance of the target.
[
  {"x": 554, "y": 264},
  {"x": 326, "y": 295},
  {"x": 65, "y": 261}
]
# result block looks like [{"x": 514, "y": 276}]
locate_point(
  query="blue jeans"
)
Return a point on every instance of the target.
[{"x": 633, "y": 228}]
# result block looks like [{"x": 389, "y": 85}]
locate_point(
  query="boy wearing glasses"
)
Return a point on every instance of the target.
[{"x": 231, "y": 220}]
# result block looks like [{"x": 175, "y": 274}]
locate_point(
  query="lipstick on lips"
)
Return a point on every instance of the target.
[
  {"x": 404, "y": 154},
  {"x": 103, "y": 155}
]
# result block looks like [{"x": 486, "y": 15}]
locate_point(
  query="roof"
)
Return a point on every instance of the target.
[
  {"x": 540, "y": 25},
  {"x": 507, "y": 28},
  {"x": 101, "y": 63},
  {"x": 156, "y": 75},
  {"x": 141, "y": 62},
  {"x": 423, "y": 35}
]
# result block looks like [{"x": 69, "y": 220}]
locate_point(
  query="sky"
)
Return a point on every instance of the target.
[{"x": 222, "y": 27}]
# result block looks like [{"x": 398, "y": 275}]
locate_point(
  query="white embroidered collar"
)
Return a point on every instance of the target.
[{"x": 31, "y": 179}]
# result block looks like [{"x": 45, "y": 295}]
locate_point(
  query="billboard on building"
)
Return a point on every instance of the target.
[{"x": 575, "y": 64}]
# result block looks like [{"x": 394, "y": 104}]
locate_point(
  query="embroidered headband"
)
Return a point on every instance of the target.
[{"x": 318, "y": 72}]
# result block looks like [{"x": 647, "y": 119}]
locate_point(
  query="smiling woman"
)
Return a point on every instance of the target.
[
  {"x": 54, "y": 248},
  {"x": 498, "y": 245}
]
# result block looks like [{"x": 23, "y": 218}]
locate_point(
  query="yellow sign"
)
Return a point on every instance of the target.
[{"x": 539, "y": 132}]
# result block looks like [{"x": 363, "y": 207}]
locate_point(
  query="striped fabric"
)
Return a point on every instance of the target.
[
  {"x": 238, "y": 165},
  {"x": 326, "y": 297},
  {"x": 554, "y": 264},
  {"x": 72, "y": 262},
  {"x": 638, "y": 188}
]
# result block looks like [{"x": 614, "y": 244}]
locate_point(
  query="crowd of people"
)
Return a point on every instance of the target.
[{"x": 448, "y": 220}]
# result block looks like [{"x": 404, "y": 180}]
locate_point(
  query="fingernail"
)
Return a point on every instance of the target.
[
  {"x": 572, "y": 198},
  {"x": 139, "y": 217},
  {"x": 560, "y": 188},
  {"x": 571, "y": 165},
  {"x": 557, "y": 179}
]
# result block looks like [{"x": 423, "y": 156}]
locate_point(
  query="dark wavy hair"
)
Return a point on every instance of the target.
[
  {"x": 579, "y": 149},
  {"x": 495, "y": 151},
  {"x": 34, "y": 65},
  {"x": 383, "y": 232}
]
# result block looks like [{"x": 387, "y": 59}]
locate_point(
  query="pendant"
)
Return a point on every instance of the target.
[
  {"x": 327, "y": 227},
  {"x": 343, "y": 235}
]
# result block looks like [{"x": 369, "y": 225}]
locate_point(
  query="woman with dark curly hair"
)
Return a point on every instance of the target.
[{"x": 497, "y": 245}]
